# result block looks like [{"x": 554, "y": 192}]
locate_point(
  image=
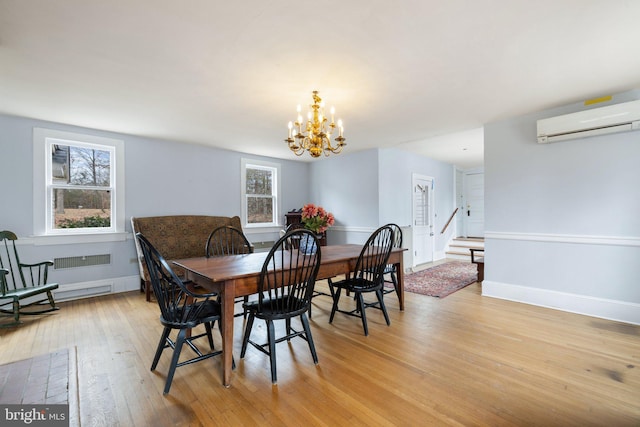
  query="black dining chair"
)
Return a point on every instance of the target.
[
  {"x": 368, "y": 276},
  {"x": 181, "y": 309},
  {"x": 295, "y": 242},
  {"x": 228, "y": 240},
  {"x": 390, "y": 269},
  {"x": 285, "y": 288}
]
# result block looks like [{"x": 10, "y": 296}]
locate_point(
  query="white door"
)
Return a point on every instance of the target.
[
  {"x": 422, "y": 190},
  {"x": 474, "y": 212}
]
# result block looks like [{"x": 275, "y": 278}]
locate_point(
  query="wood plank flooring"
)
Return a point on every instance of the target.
[{"x": 463, "y": 360}]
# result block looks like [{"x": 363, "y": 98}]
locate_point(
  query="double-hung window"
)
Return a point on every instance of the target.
[
  {"x": 79, "y": 183},
  {"x": 260, "y": 190}
]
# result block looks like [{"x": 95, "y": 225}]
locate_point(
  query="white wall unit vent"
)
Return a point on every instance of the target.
[{"x": 598, "y": 121}]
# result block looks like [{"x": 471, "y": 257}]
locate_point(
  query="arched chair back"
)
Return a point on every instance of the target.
[
  {"x": 294, "y": 240},
  {"x": 285, "y": 288},
  {"x": 390, "y": 269},
  {"x": 227, "y": 240},
  {"x": 180, "y": 309},
  {"x": 288, "y": 277},
  {"x": 373, "y": 259},
  {"x": 367, "y": 276}
]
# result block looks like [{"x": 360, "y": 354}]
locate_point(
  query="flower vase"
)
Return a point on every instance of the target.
[{"x": 308, "y": 245}]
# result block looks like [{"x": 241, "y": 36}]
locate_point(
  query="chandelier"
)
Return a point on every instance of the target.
[{"x": 315, "y": 135}]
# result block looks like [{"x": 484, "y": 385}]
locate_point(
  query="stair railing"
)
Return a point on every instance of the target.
[{"x": 449, "y": 222}]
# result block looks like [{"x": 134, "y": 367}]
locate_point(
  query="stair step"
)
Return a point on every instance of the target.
[
  {"x": 459, "y": 247},
  {"x": 458, "y": 256},
  {"x": 467, "y": 243},
  {"x": 459, "y": 251}
]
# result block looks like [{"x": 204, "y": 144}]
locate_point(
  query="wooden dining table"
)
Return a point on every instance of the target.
[{"x": 238, "y": 275}]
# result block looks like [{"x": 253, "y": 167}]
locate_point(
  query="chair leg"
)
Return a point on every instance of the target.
[
  {"x": 16, "y": 311},
  {"x": 161, "y": 345},
  {"x": 330, "y": 283},
  {"x": 244, "y": 306},
  {"x": 394, "y": 279},
  {"x": 307, "y": 333},
  {"x": 363, "y": 314},
  {"x": 288, "y": 324},
  {"x": 174, "y": 360},
  {"x": 147, "y": 290},
  {"x": 272, "y": 350},
  {"x": 51, "y": 301},
  {"x": 336, "y": 298},
  {"x": 247, "y": 334},
  {"x": 382, "y": 306},
  {"x": 207, "y": 327}
]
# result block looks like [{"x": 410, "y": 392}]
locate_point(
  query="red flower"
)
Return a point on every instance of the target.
[{"x": 316, "y": 218}]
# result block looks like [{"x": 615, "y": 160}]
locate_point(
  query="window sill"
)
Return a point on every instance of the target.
[
  {"x": 68, "y": 239},
  {"x": 248, "y": 229}
]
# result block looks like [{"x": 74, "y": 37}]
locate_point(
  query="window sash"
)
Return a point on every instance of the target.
[
  {"x": 44, "y": 185},
  {"x": 247, "y": 167}
]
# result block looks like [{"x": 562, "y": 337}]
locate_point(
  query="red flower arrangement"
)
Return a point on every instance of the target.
[{"x": 316, "y": 219}]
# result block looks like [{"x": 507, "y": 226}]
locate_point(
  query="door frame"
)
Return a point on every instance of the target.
[
  {"x": 414, "y": 178},
  {"x": 465, "y": 189}
]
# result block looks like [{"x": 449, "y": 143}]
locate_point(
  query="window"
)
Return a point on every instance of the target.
[
  {"x": 78, "y": 185},
  {"x": 260, "y": 189}
]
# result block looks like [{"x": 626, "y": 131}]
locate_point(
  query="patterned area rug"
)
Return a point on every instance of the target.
[{"x": 441, "y": 280}]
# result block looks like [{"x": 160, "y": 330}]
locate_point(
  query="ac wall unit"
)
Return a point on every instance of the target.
[{"x": 598, "y": 121}]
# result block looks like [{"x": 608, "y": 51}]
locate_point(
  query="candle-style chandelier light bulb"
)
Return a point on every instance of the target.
[{"x": 314, "y": 136}]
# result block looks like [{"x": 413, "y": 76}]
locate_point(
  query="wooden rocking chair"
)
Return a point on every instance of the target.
[{"x": 19, "y": 281}]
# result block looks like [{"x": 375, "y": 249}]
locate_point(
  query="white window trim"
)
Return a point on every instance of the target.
[
  {"x": 40, "y": 136},
  {"x": 243, "y": 187}
]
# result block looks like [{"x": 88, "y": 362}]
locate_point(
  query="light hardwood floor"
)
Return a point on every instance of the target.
[{"x": 463, "y": 360}]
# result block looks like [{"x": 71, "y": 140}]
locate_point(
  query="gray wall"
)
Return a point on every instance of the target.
[
  {"x": 367, "y": 189},
  {"x": 562, "y": 227},
  {"x": 396, "y": 169},
  {"x": 347, "y": 186},
  {"x": 363, "y": 189},
  {"x": 162, "y": 178}
]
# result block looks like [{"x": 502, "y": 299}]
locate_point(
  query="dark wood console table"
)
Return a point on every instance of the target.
[{"x": 295, "y": 217}]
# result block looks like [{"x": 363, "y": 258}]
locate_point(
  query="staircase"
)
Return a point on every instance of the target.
[{"x": 459, "y": 247}]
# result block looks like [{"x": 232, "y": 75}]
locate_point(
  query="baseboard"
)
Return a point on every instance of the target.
[
  {"x": 580, "y": 304},
  {"x": 72, "y": 291}
]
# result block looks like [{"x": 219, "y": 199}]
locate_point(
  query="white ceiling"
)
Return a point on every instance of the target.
[{"x": 422, "y": 75}]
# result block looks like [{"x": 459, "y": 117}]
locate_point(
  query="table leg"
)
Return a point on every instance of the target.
[
  {"x": 228, "y": 293},
  {"x": 400, "y": 272}
]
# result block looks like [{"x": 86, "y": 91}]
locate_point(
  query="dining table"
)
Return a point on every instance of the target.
[{"x": 234, "y": 276}]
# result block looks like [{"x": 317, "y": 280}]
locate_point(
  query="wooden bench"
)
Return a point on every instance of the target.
[
  {"x": 20, "y": 281},
  {"x": 176, "y": 237},
  {"x": 479, "y": 262}
]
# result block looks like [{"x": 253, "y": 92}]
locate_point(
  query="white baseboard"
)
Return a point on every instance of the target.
[
  {"x": 72, "y": 291},
  {"x": 590, "y": 306}
]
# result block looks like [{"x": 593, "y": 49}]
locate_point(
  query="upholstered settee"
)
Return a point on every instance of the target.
[{"x": 176, "y": 237}]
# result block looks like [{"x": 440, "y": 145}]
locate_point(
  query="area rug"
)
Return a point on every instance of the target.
[{"x": 441, "y": 280}]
